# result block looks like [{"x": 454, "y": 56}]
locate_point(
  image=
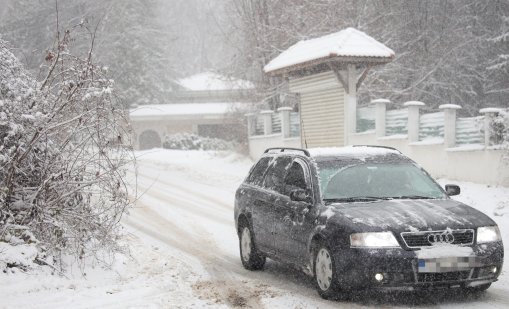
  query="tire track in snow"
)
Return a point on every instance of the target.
[
  {"x": 185, "y": 201},
  {"x": 223, "y": 283},
  {"x": 181, "y": 187},
  {"x": 229, "y": 279},
  {"x": 223, "y": 269}
]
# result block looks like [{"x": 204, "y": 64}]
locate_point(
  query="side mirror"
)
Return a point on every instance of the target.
[
  {"x": 300, "y": 195},
  {"x": 452, "y": 190}
]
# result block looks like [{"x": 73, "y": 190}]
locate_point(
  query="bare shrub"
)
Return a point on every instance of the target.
[{"x": 63, "y": 152}]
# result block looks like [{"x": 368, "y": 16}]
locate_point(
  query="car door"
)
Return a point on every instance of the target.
[
  {"x": 264, "y": 203},
  {"x": 294, "y": 220},
  {"x": 260, "y": 205}
]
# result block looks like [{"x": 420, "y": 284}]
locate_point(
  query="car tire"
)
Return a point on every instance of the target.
[
  {"x": 251, "y": 258},
  {"x": 325, "y": 274}
]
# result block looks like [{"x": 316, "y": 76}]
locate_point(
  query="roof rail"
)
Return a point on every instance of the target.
[
  {"x": 283, "y": 149},
  {"x": 378, "y": 146}
]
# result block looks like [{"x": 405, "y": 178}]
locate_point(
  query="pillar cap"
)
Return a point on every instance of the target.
[
  {"x": 490, "y": 110},
  {"x": 284, "y": 108},
  {"x": 414, "y": 103},
  {"x": 449, "y": 106},
  {"x": 267, "y": 112},
  {"x": 380, "y": 101}
]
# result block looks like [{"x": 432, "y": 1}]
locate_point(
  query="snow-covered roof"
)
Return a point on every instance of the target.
[
  {"x": 449, "y": 106},
  {"x": 349, "y": 42},
  {"x": 184, "y": 110},
  {"x": 209, "y": 81},
  {"x": 358, "y": 152},
  {"x": 490, "y": 110},
  {"x": 414, "y": 103}
]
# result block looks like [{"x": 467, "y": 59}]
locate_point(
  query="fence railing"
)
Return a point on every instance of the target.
[
  {"x": 396, "y": 122},
  {"x": 294, "y": 124},
  {"x": 442, "y": 124},
  {"x": 365, "y": 119},
  {"x": 431, "y": 126},
  {"x": 259, "y": 126},
  {"x": 284, "y": 121},
  {"x": 470, "y": 130},
  {"x": 276, "y": 123}
]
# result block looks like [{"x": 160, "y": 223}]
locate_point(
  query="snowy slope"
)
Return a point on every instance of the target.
[{"x": 184, "y": 250}]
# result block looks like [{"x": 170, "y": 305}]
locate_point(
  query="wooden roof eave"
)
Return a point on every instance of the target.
[{"x": 338, "y": 61}]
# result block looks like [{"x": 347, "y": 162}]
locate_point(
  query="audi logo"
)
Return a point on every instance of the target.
[{"x": 441, "y": 238}]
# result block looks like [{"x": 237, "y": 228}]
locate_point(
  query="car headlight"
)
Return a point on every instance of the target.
[
  {"x": 373, "y": 240},
  {"x": 488, "y": 234}
]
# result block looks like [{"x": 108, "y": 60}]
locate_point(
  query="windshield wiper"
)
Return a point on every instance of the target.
[
  {"x": 413, "y": 197},
  {"x": 354, "y": 199}
]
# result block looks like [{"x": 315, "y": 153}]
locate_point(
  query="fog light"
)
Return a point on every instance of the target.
[
  {"x": 379, "y": 277},
  {"x": 494, "y": 269}
]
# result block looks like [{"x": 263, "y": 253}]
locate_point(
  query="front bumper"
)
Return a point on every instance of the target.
[{"x": 400, "y": 268}]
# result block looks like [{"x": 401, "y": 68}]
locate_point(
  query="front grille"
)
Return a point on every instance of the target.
[
  {"x": 420, "y": 239},
  {"x": 443, "y": 277}
]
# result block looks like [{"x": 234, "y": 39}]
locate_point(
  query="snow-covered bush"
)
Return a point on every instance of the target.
[
  {"x": 61, "y": 179},
  {"x": 500, "y": 128},
  {"x": 189, "y": 141}
]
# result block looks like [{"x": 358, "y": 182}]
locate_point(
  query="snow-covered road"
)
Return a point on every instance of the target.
[
  {"x": 187, "y": 211},
  {"x": 184, "y": 251}
]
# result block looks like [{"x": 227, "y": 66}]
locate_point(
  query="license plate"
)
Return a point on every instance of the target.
[{"x": 447, "y": 264}]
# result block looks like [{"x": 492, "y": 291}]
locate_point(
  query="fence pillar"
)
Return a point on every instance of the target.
[
  {"x": 489, "y": 114},
  {"x": 284, "y": 113},
  {"x": 449, "y": 124},
  {"x": 267, "y": 121},
  {"x": 380, "y": 109},
  {"x": 251, "y": 124},
  {"x": 413, "y": 119}
]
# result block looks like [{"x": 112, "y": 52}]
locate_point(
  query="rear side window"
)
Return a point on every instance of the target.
[
  {"x": 295, "y": 179},
  {"x": 276, "y": 173},
  {"x": 256, "y": 176}
]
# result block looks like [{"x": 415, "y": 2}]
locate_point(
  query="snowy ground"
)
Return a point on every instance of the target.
[{"x": 184, "y": 251}]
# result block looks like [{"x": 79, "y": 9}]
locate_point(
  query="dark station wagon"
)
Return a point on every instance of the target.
[{"x": 363, "y": 217}]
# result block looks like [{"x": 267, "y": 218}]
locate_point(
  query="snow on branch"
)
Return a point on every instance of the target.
[{"x": 64, "y": 150}]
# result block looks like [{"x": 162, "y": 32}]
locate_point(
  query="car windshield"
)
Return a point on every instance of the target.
[{"x": 372, "y": 181}]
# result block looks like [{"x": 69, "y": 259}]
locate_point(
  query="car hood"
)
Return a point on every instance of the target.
[{"x": 407, "y": 215}]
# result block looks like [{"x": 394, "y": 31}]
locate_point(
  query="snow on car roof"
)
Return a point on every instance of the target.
[
  {"x": 209, "y": 81},
  {"x": 349, "y": 42},
  {"x": 183, "y": 109},
  {"x": 358, "y": 152}
]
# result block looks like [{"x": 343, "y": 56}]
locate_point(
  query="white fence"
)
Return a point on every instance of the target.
[
  {"x": 396, "y": 122},
  {"x": 447, "y": 146},
  {"x": 470, "y": 130},
  {"x": 269, "y": 129},
  {"x": 431, "y": 126}
]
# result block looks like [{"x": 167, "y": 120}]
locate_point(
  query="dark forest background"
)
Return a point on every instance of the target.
[{"x": 447, "y": 51}]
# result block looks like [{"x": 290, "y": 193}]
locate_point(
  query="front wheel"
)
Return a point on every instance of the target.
[
  {"x": 326, "y": 277},
  {"x": 251, "y": 258}
]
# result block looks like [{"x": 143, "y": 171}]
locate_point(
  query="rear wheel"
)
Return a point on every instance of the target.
[
  {"x": 326, "y": 277},
  {"x": 249, "y": 255}
]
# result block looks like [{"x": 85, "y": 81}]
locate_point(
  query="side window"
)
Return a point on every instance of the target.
[
  {"x": 295, "y": 179},
  {"x": 256, "y": 176},
  {"x": 274, "y": 178}
]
